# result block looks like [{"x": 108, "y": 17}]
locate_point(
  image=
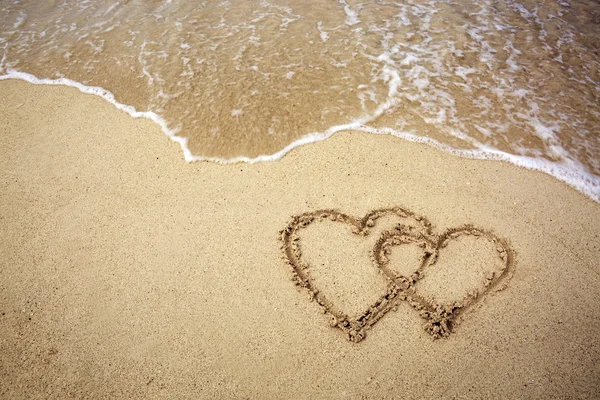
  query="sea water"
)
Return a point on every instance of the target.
[{"x": 249, "y": 80}]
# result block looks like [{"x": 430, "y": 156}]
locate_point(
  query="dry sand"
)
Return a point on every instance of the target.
[{"x": 126, "y": 273}]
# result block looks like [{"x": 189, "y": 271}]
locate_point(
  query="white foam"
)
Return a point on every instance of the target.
[
  {"x": 108, "y": 96},
  {"x": 324, "y": 35},
  {"x": 20, "y": 20},
  {"x": 463, "y": 72},
  {"x": 568, "y": 170},
  {"x": 351, "y": 15},
  {"x": 110, "y": 8}
]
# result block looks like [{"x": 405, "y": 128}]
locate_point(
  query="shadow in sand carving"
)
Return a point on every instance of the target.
[{"x": 439, "y": 318}]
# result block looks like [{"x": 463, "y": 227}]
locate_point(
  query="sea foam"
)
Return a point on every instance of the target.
[
  {"x": 568, "y": 170},
  {"x": 246, "y": 82}
]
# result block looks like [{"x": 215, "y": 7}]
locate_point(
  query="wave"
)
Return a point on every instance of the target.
[{"x": 567, "y": 170}]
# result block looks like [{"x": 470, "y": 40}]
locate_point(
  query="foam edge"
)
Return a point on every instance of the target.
[{"x": 574, "y": 174}]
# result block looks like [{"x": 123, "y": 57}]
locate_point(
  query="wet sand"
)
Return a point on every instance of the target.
[{"x": 127, "y": 273}]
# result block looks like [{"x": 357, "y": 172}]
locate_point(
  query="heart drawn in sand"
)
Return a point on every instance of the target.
[{"x": 439, "y": 316}]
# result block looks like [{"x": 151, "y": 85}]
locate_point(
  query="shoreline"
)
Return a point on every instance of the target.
[
  {"x": 129, "y": 273},
  {"x": 579, "y": 181}
]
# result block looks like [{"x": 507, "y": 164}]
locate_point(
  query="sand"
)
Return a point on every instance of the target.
[{"x": 127, "y": 273}]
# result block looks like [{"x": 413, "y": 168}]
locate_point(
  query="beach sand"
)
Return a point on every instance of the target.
[{"x": 127, "y": 273}]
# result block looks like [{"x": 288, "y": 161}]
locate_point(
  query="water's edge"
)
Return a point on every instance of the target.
[{"x": 575, "y": 176}]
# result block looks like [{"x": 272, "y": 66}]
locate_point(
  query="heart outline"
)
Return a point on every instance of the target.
[
  {"x": 439, "y": 319},
  {"x": 355, "y": 328}
]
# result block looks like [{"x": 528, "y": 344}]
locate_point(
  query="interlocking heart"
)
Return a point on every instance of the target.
[{"x": 413, "y": 229}]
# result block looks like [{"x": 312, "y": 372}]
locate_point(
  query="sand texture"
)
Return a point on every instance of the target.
[{"x": 363, "y": 266}]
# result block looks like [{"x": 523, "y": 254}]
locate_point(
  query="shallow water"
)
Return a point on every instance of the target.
[{"x": 501, "y": 79}]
